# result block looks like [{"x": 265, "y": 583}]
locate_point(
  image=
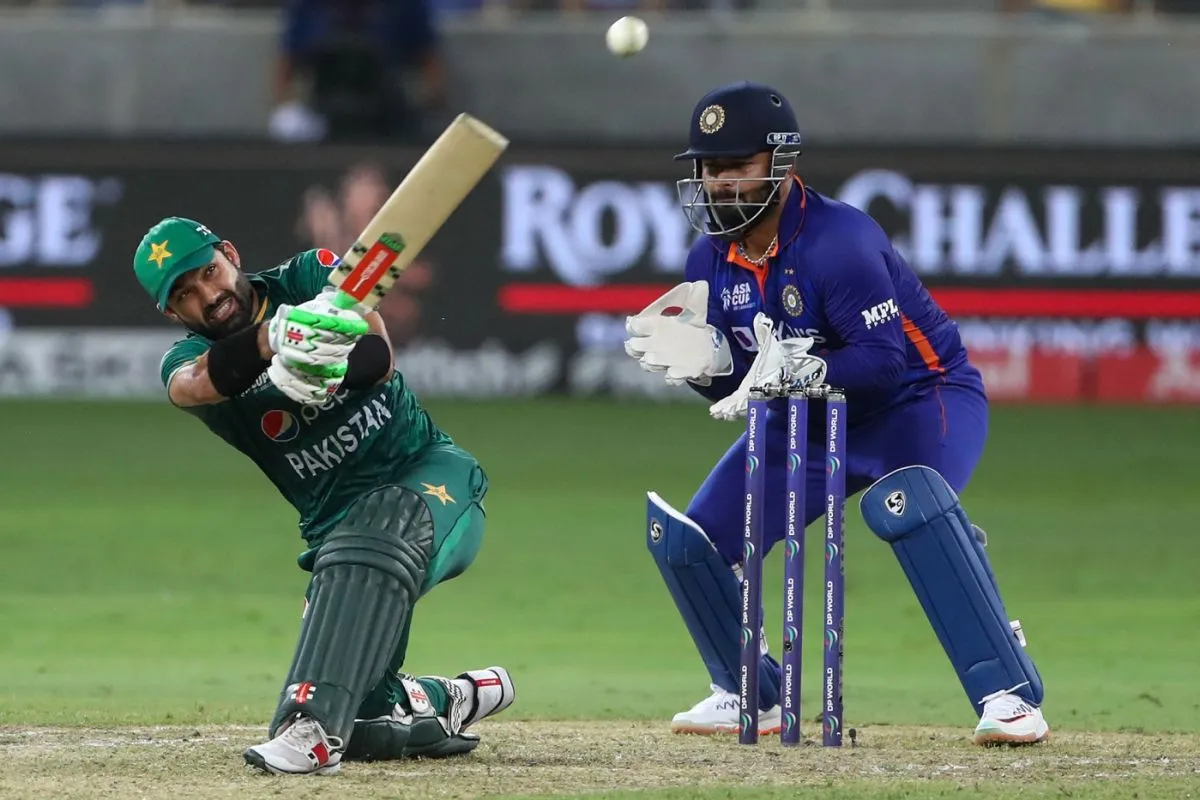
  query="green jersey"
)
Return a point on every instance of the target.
[{"x": 321, "y": 458}]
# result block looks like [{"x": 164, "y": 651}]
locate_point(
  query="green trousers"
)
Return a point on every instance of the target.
[{"x": 453, "y": 486}]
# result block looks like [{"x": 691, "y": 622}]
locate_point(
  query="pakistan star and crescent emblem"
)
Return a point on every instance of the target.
[
  {"x": 438, "y": 491},
  {"x": 159, "y": 252}
]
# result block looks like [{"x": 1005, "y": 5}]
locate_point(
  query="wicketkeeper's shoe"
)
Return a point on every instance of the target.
[
  {"x": 476, "y": 694},
  {"x": 718, "y": 713},
  {"x": 300, "y": 748},
  {"x": 1010, "y": 719}
]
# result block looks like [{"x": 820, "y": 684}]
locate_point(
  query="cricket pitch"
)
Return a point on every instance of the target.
[{"x": 612, "y": 758}]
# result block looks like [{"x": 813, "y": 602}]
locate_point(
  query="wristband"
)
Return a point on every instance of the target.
[{"x": 234, "y": 362}]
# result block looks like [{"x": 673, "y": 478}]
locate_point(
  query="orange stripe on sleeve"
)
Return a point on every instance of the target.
[{"x": 919, "y": 341}]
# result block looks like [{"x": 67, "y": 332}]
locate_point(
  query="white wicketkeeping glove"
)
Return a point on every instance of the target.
[
  {"x": 779, "y": 364},
  {"x": 672, "y": 336}
]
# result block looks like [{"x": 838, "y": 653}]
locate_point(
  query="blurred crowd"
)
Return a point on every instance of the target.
[{"x": 354, "y": 70}]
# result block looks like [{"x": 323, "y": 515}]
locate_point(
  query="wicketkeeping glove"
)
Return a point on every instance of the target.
[
  {"x": 780, "y": 364},
  {"x": 672, "y": 336}
]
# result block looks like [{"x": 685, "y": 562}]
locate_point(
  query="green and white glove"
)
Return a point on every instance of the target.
[
  {"x": 302, "y": 387},
  {"x": 312, "y": 344}
]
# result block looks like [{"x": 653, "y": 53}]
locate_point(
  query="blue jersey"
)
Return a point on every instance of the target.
[{"x": 834, "y": 276}]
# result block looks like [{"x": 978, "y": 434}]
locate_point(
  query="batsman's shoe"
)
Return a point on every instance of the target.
[
  {"x": 302, "y": 748},
  {"x": 475, "y": 694},
  {"x": 718, "y": 713},
  {"x": 1010, "y": 719}
]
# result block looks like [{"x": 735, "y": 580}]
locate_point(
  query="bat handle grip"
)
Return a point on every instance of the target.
[{"x": 344, "y": 301}]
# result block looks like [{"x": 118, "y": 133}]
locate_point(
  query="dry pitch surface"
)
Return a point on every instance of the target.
[{"x": 614, "y": 759}]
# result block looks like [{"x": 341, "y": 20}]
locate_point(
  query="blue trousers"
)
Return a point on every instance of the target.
[{"x": 944, "y": 428}]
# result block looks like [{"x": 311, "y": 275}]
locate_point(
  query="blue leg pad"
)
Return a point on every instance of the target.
[
  {"x": 918, "y": 513},
  {"x": 707, "y": 593}
]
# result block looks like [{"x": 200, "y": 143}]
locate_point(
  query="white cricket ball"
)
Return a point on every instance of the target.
[{"x": 627, "y": 36}]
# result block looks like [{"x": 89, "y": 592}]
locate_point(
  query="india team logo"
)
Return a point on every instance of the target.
[
  {"x": 793, "y": 304},
  {"x": 279, "y": 426}
]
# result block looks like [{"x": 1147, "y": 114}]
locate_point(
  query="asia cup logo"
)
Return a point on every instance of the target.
[
  {"x": 279, "y": 426},
  {"x": 831, "y": 551},
  {"x": 832, "y": 465},
  {"x": 793, "y": 462},
  {"x": 751, "y": 464},
  {"x": 789, "y": 721},
  {"x": 831, "y": 638},
  {"x": 791, "y": 548}
]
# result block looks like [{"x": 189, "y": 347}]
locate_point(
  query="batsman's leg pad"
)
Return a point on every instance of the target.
[
  {"x": 366, "y": 578},
  {"x": 919, "y": 514},
  {"x": 412, "y": 729},
  {"x": 707, "y": 592}
]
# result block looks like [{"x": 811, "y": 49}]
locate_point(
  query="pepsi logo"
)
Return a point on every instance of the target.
[
  {"x": 280, "y": 426},
  {"x": 327, "y": 258}
]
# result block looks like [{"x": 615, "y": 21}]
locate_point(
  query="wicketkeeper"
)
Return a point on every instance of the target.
[
  {"x": 389, "y": 505},
  {"x": 787, "y": 286}
]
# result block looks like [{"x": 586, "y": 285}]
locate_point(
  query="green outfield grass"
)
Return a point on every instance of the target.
[{"x": 149, "y": 572}]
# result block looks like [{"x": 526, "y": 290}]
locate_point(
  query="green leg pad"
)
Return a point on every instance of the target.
[
  {"x": 367, "y": 576},
  {"x": 388, "y": 740}
]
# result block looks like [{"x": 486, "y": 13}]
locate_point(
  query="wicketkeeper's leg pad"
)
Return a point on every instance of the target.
[
  {"x": 707, "y": 592},
  {"x": 916, "y": 511},
  {"x": 366, "y": 578}
]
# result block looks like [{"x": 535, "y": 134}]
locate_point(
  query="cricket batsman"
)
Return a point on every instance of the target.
[
  {"x": 389, "y": 505},
  {"x": 789, "y": 287}
]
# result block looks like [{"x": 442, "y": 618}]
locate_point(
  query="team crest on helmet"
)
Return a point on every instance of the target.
[
  {"x": 712, "y": 118},
  {"x": 792, "y": 303}
]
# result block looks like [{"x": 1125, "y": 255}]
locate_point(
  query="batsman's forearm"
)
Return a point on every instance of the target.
[
  {"x": 264, "y": 342},
  {"x": 370, "y": 362},
  {"x": 230, "y": 367},
  {"x": 191, "y": 386}
]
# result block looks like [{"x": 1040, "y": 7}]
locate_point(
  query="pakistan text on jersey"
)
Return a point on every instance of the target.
[{"x": 326, "y": 454}]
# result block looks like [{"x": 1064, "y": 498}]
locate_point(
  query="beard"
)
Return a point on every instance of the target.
[
  {"x": 243, "y": 299},
  {"x": 737, "y": 219}
]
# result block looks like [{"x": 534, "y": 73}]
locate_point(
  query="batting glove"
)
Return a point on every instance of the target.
[{"x": 300, "y": 385}]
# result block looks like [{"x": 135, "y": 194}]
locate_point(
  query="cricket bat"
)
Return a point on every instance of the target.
[{"x": 416, "y": 210}]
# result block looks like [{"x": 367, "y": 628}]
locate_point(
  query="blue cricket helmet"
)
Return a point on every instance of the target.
[{"x": 738, "y": 120}]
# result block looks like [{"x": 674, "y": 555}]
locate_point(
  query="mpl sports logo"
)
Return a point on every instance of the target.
[{"x": 879, "y": 314}]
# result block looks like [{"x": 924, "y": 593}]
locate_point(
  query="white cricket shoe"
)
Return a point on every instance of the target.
[
  {"x": 718, "y": 713},
  {"x": 301, "y": 748},
  {"x": 473, "y": 695},
  {"x": 1010, "y": 719}
]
